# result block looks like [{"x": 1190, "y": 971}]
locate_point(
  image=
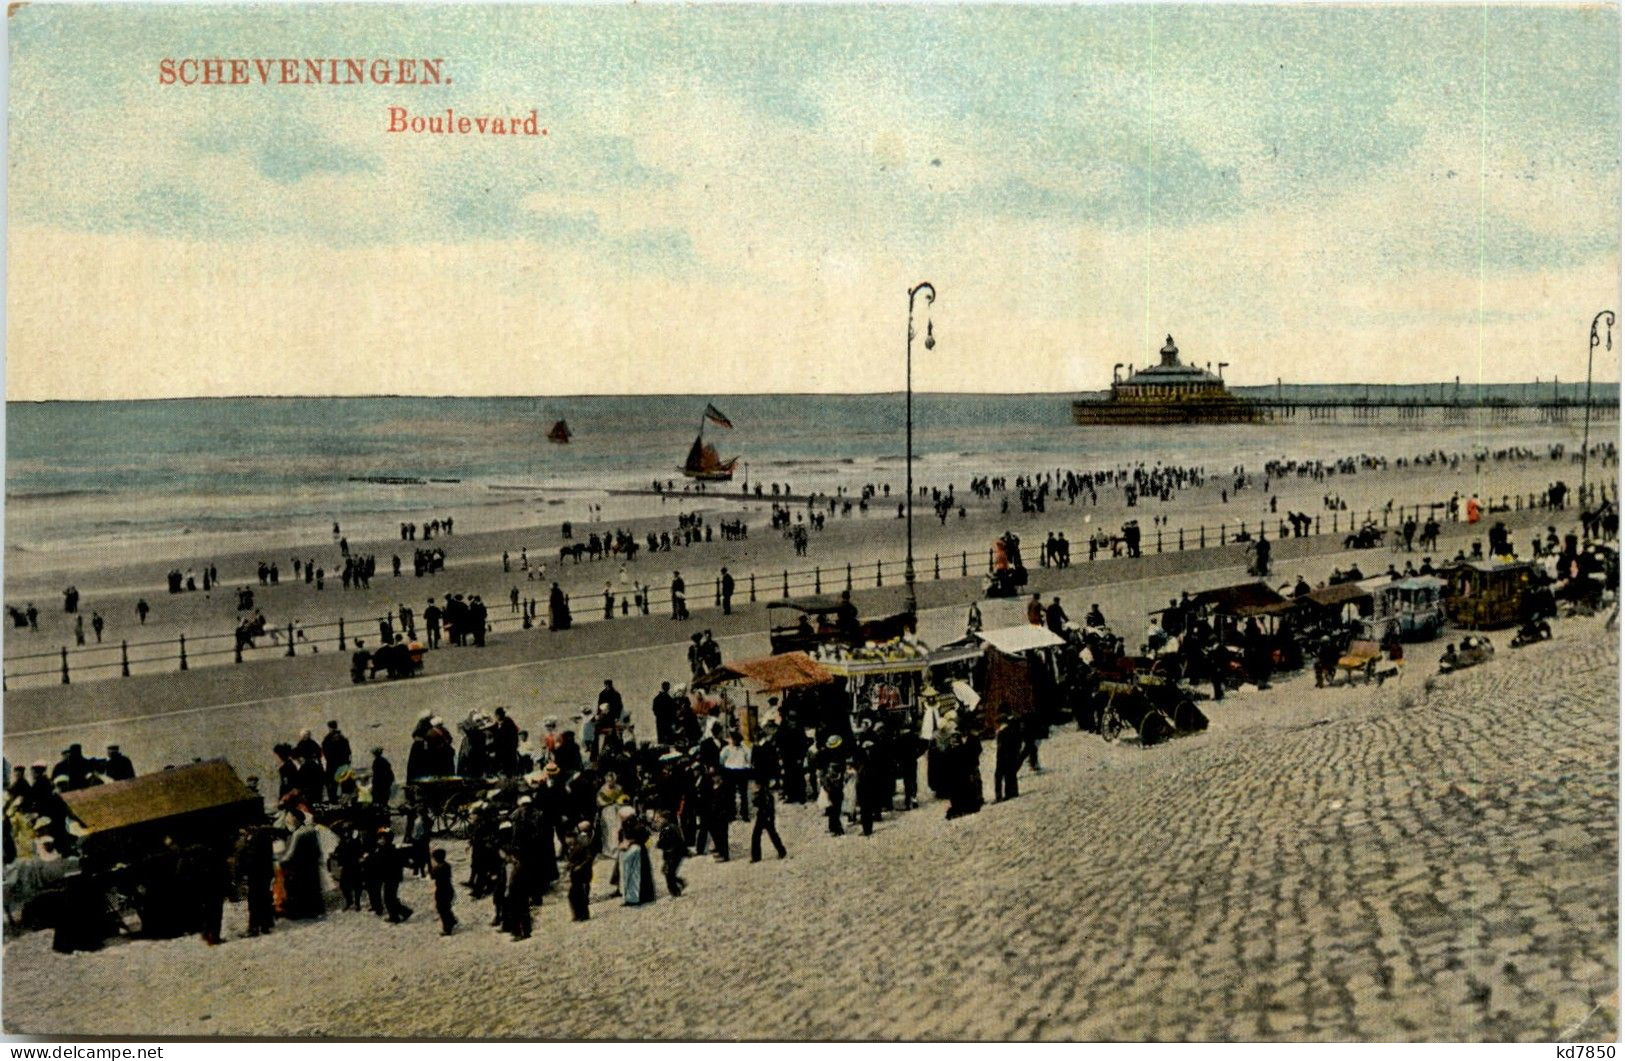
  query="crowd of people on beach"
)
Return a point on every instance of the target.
[{"x": 550, "y": 811}]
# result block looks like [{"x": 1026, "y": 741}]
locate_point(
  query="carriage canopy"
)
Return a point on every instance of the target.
[{"x": 1243, "y": 600}]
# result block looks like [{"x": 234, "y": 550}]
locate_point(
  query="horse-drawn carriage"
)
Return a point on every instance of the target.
[
  {"x": 1411, "y": 609},
  {"x": 447, "y": 802},
  {"x": 124, "y": 829},
  {"x": 1486, "y": 594},
  {"x": 1369, "y": 536},
  {"x": 1156, "y": 706},
  {"x": 805, "y": 624}
]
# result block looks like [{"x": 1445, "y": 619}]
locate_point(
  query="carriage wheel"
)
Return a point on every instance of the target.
[
  {"x": 454, "y": 823},
  {"x": 1155, "y": 728},
  {"x": 1111, "y": 723},
  {"x": 1188, "y": 718}
]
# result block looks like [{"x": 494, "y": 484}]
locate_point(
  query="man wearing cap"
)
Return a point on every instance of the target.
[
  {"x": 74, "y": 767},
  {"x": 117, "y": 765}
]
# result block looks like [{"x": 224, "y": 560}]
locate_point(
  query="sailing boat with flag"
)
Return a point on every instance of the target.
[
  {"x": 703, "y": 462},
  {"x": 560, "y": 433}
]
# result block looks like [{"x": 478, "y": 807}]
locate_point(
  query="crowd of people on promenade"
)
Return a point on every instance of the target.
[{"x": 1035, "y": 493}]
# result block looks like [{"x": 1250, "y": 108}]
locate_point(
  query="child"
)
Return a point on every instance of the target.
[
  {"x": 440, "y": 874},
  {"x": 418, "y": 853},
  {"x": 673, "y": 849}
]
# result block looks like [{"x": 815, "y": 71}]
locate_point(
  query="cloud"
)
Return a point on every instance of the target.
[{"x": 282, "y": 148}]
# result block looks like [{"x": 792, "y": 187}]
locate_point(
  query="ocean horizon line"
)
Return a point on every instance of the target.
[{"x": 1059, "y": 394}]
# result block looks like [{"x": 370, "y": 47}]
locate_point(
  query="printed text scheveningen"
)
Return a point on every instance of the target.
[{"x": 301, "y": 71}]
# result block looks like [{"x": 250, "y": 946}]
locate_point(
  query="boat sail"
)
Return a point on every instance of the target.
[
  {"x": 704, "y": 463},
  {"x": 560, "y": 433}
]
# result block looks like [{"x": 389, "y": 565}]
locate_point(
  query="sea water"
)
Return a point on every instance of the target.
[{"x": 113, "y": 471}]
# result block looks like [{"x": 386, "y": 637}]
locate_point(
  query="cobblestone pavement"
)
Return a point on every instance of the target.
[{"x": 1435, "y": 859}]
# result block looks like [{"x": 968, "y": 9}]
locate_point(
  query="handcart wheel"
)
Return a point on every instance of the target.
[{"x": 1188, "y": 718}]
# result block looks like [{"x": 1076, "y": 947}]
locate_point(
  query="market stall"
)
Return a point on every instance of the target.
[
  {"x": 1019, "y": 673},
  {"x": 793, "y": 674}
]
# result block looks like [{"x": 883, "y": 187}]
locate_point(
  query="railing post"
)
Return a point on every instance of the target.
[
  {"x": 787, "y": 584},
  {"x": 237, "y": 652},
  {"x": 818, "y": 579},
  {"x": 1182, "y": 539},
  {"x": 1317, "y": 524},
  {"x": 936, "y": 566},
  {"x": 1261, "y": 533},
  {"x": 341, "y": 633},
  {"x": 124, "y": 658},
  {"x": 964, "y": 563},
  {"x": 290, "y": 639},
  {"x": 1201, "y": 536},
  {"x": 65, "y": 680},
  {"x": 849, "y": 578},
  {"x": 990, "y": 561},
  {"x": 1159, "y": 539},
  {"x": 1224, "y": 536},
  {"x": 752, "y": 587},
  {"x": 183, "y": 652},
  {"x": 878, "y": 580}
]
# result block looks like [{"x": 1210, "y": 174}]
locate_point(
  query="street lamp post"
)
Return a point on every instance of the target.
[
  {"x": 930, "y": 293},
  {"x": 1606, "y": 318}
]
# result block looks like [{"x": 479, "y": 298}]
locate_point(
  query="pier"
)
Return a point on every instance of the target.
[{"x": 1442, "y": 411}]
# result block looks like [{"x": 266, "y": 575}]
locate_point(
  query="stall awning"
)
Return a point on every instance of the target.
[
  {"x": 155, "y": 797},
  {"x": 1243, "y": 600},
  {"x": 1013, "y": 640},
  {"x": 769, "y": 674},
  {"x": 1336, "y": 596}
]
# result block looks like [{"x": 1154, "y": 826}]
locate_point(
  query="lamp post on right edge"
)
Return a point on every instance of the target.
[
  {"x": 1605, "y": 318},
  {"x": 930, "y": 293}
]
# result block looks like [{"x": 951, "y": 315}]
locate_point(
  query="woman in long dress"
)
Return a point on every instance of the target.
[
  {"x": 302, "y": 874},
  {"x": 637, "y": 872}
]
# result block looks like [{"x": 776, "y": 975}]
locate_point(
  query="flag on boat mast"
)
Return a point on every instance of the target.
[{"x": 713, "y": 414}]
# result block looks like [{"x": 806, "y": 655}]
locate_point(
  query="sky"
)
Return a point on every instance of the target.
[{"x": 738, "y": 199}]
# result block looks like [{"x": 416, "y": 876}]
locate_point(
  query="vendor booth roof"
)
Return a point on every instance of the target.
[
  {"x": 770, "y": 674},
  {"x": 154, "y": 797},
  {"x": 1247, "y": 598},
  {"x": 1015, "y": 639},
  {"x": 1336, "y": 596}
]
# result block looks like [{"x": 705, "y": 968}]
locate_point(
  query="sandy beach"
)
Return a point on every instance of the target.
[
  {"x": 1352, "y": 863},
  {"x": 1434, "y": 859}
]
